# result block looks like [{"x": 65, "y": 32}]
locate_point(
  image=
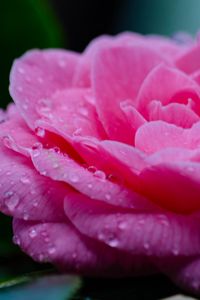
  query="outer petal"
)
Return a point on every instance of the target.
[
  {"x": 94, "y": 185},
  {"x": 62, "y": 245},
  {"x": 24, "y": 193},
  {"x": 36, "y": 76},
  {"x": 117, "y": 75},
  {"x": 82, "y": 76},
  {"x": 153, "y": 233}
]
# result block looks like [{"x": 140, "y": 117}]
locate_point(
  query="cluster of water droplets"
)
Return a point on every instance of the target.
[{"x": 39, "y": 234}]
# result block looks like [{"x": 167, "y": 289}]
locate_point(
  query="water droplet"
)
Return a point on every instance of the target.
[
  {"x": 56, "y": 149},
  {"x": 33, "y": 192},
  {"x": 33, "y": 233},
  {"x": 74, "y": 255},
  {"x": 19, "y": 88},
  {"x": 107, "y": 196},
  {"x": 51, "y": 250},
  {"x": 141, "y": 222},
  {"x": 62, "y": 63},
  {"x": 101, "y": 236},
  {"x": 190, "y": 169},
  {"x": 40, "y": 131},
  {"x": 12, "y": 201},
  {"x": 92, "y": 169},
  {"x": 37, "y": 146},
  {"x": 113, "y": 178},
  {"x": 166, "y": 133},
  {"x": 73, "y": 178},
  {"x": 122, "y": 225},
  {"x": 100, "y": 174},
  {"x": 89, "y": 185},
  {"x": 21, "y": 70},
  {"x": 175, "y": 251},
  {"x": 40, "y": 79},
  {"x": 83, "y": 111},
  {"x": 8, "y": 194},
  {"x": 41, "y": 257},
  {"x": 25, "y": 106},
  {"x": 77, "y": 131},
  {"x": 46, "y": 239},
  {"x": 195, "y": 284},
  {"x": 35, "y": 203},
  {"x": 25, "y": 216},
  {"x": 24, "y": 179},
  {"x": 55, "y": 165},
  {"x": 16, "y": 240},
  {"x": 44, "y": 173},
  {"x": 146, "y": 246},
  {"x": 113, "y": 242}
]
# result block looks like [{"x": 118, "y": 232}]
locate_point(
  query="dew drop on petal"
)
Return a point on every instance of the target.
[
  {"x": 100, "y": 174},
  {"x": 73, "y": 178},
  {"x": 37, "y": 146},
  {"x": 16, "y": 240},
  {"x": 108, "y": 196},
  {"x": 40, "y": 131},
  {"x": 74, "y": 255},
  {"x": 24, "y": 179},
  {"x": 89, "y": 185},
  {"x": 33, "y": 233},
  {"x": 51, "y": 250},
  {"x": 113, "y": 242},
  {"x": 83, "y": 111},
  {"x": 146, "y": 245},
  {"x": 122, "y": 225},
  {"x": 92, "y": 169},
  {"x": 21, "y": 70},
  {"x": 12, "y": 201},
  {"x": 26, "y": 216}
]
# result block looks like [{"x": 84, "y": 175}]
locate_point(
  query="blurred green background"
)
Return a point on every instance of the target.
[{"x": 71, "y": 24}]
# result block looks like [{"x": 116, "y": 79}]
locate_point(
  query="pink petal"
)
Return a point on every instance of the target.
[
  {"x": 173, "y": 185},
  {"x": 122, "y": 161},
  {"x": 187, "y": 275},
  {"x": 16, "y": 135},
  {"x": 188, "y": 62},
  {"x": 164, "y": 46},
  {"x": 151, "y": 234},
  {"x": 157, "y": 135},
  {"x": 71, "y": 113},
  {"x": 94, "y": 185},
  {"x": 173, "y": 113},
  {"x": 177, "y": 87},
  {"x": 24, "y": 193},
  {"x": 37, "y": 76},
  {"x": 117, "y": 76},
  {"x": 134, "y": 118},
  {"x": 62, "y": 245}
]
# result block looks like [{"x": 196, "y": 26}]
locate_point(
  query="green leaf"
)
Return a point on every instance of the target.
[{"x": 32, "y": 287}]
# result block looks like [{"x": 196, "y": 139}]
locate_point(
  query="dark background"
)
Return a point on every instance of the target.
[{"x": 71, "y": 24}]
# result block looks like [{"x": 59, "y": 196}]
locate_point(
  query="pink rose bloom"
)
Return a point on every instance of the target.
[{"x": 100, "y": 158}]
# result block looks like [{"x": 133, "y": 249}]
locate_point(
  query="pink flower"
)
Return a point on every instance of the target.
[{"x": 100, "y": 158}]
